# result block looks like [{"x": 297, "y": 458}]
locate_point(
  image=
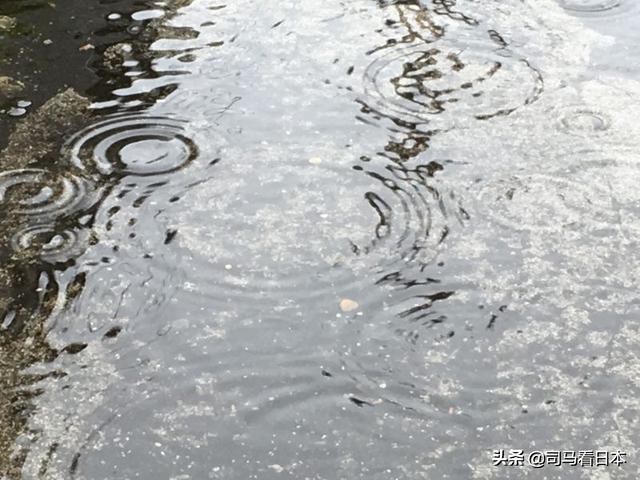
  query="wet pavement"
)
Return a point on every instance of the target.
[{"x": 319, "y": 240}]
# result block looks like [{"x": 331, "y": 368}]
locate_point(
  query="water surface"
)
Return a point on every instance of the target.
[{"x": 335, "y": 240}]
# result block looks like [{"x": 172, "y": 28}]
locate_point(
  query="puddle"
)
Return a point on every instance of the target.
[{"x": 337, "y": 240}]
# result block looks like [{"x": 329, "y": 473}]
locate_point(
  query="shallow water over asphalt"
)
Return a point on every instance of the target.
[{"x": 335, "y": 240}]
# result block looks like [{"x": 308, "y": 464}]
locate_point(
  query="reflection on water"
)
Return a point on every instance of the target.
[
  {"x": 340, "y": 240},
  {"x": 431, "y": 79}
]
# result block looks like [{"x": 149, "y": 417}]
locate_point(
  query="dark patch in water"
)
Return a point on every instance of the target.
[
  {"x": 360, "y": 403},
  {"x": 113, "y": 332},
  {"x": 169, "y": 236},
  {"x": 74, "y": 348}
]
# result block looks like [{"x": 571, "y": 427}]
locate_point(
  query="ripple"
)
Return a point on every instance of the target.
[
  {"x": 443, "y": 79},
  {"x": 258, "y": 404},
  {"x": 583, "y": 221},
  {"x": 613, "y": 176},
  {"x": 413, "y": 213},
  {"x": 309, "y": 231},
  {"x": 603, "y": 11},
  {"x": 133, "y": 144},
  {"x": 544, "y": 202},
  {"x": 38, "y": 193},
  {"x": 589, "y": 6},
  {"x": 275, "y": 230},
  {"x": 583, "y": 121},
  {"x": 50, "y": 244}
]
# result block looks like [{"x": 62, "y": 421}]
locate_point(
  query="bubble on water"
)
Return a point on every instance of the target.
[{"x": 133, "y": 144}]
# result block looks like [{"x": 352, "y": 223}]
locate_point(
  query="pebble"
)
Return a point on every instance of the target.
[
  {"x": 348, "y": 305},
  {"x": 114, "y": 16},
  {"x": 7, "y": 23}
]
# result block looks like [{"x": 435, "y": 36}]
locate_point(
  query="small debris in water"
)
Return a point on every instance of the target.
[
  {"x": 277, "y": 468},
  {"x": 169, "y": 236},
  {"x": 114, "y": 16},
  {"x": 315, "y": 160},
  {"x": 86, "y": 47},
  {"x": 348, "y": 305}
]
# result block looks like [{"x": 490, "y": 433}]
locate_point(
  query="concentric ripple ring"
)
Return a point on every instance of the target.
[
  {"x": 50, "y": 244},
  {"x": 291, "y": 236},
  {"x": 35, "y": 192},
  {"x": 445, "y": 81},
  {"x": 133, "y": 144},
  {"x": 583, "y": 121},
  {"x": 544, "y": 203},
  {"x": 589, "y": 6}
]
